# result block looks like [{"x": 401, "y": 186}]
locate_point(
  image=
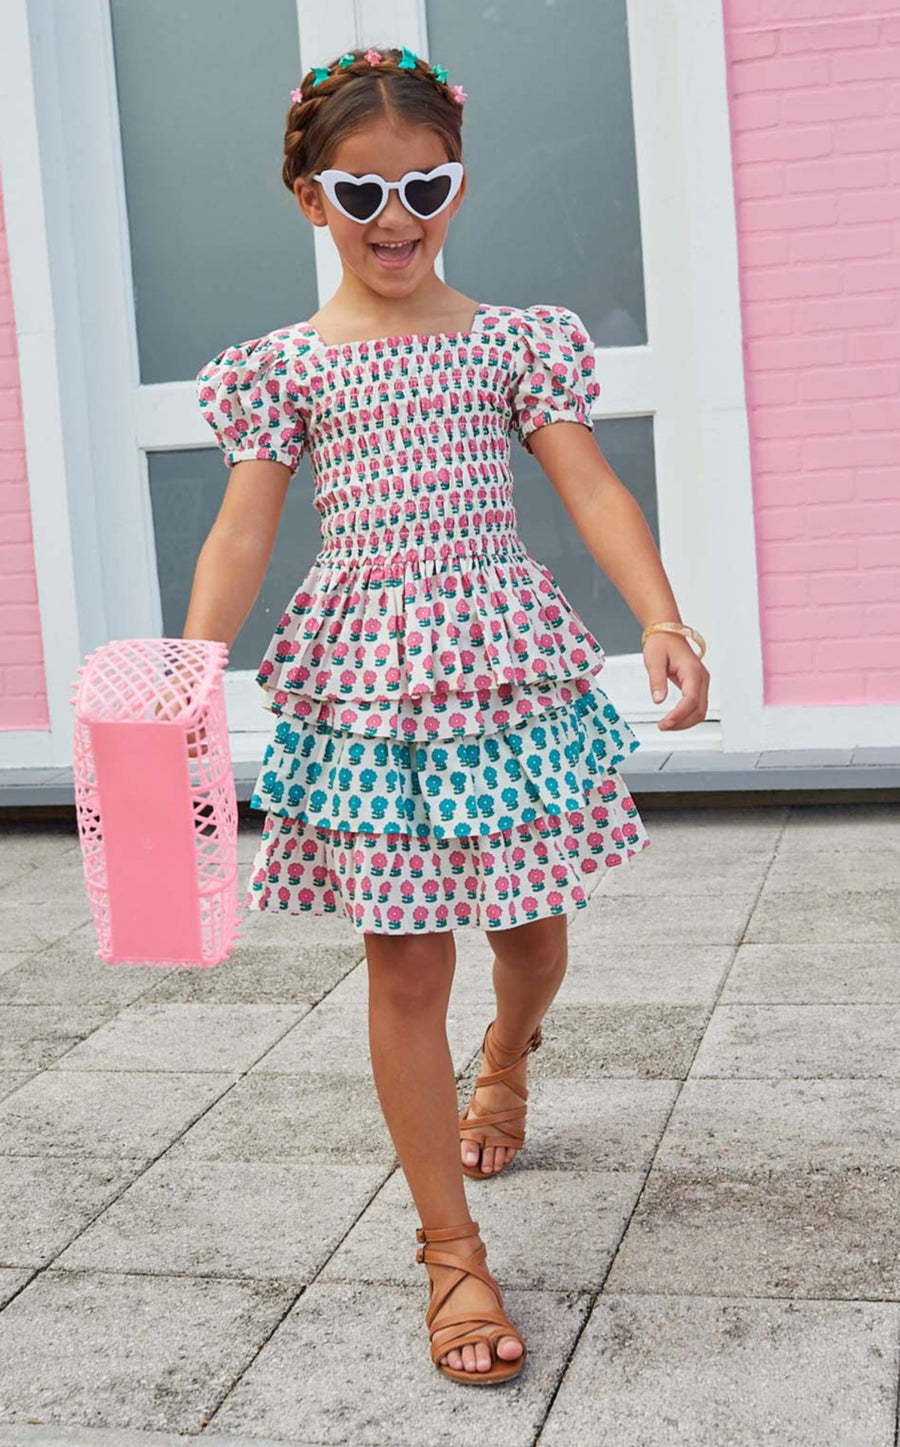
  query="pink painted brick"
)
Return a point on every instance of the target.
[
  {"x": 883, "y": 686},
  {"x": 823, "y": 555},
  {"x": 19, "y": 618},
  {"x": 863, "y": 652},
  {"x": 779, "y": 74},
  {"x": 783, "y": 143},
  {"x": 751, "y": 45},
  {"x": 841, "y": 243},
  {"x": 836, "y": 104},
  {"x": 883, "y": 618},
  {"x": 767, "y": 319},
  {"x": 798, "y": 352},
  {"x": 24, "y": 713},
  {"x": 855, "y": 520},
  {"x": 787, "y": 213},
  {"x": 786, "y": 690},
  {"x": 871, "y": 586},
  {"x": 793, "y": 281},
  {"x": 881, "y": 62},
  {"x": 879, "y": 552},
  {"x": 742, "y": 12},
  {"x": 832, "y": 384},
  {"x": 799, "y": 624},
  {"x": 838, "y": 173},
  {"x": 754, "y": 111},
  {"x": 777, "y": 591},
  {"x": 790, "y": 657},
  {"x": 836, "y": 35},
  {"x": 803, "y": 421},
  {"x": 840, "y": 315},
  {"x": 764, "y": 250},
  {"x": 763, "y": 180},
  {"x": 878, "y": 483},
  {"x": 850, "y": 451},
  {"x": 792, "y": 12}
]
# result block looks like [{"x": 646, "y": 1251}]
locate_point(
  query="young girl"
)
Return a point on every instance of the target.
[{"x": 442, "y": 755}]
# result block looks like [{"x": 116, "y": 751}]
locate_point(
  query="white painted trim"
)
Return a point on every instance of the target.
[
  {"x": 32, "y": 143},
  {"x": 728, "y": 558},
  {"x": 73, "y": 299}
]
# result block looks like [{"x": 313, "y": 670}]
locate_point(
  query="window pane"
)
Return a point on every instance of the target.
[
  {"x": 551, "y": 209},
  {"x": 219, "y": 248},
  {"x": 186, "y": 488},
  {"x": 550, "y": 535}
]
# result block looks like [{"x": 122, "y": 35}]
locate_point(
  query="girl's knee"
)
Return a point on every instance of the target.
[{"x": 412, "y": 972}]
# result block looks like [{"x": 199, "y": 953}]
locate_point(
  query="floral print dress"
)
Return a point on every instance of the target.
[{"x": 441, "y": 754}]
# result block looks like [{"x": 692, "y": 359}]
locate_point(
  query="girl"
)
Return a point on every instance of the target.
[{"x": 442, "y": 756}]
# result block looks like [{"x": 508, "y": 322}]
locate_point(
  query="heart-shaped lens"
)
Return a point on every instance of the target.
[
  {"x": 360, "y": 199},
  {"x": 427, "y": 197}
]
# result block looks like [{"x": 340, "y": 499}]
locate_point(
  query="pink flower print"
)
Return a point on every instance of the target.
[
  {"x": 555, "y": 899},
  {"x": 393, "y": 676},
  {"x": 283, "y": 896},
  {"x": 430, "y": 889},
  {"x": 395, "y": 916},
  {"x": 529, "y": 905},
  {"x": 595, "y": 840},
  {"x": 462, "y": 911},
  {"x": 382, "y": 652},
  {"x": 379, "y": 863},
  {"x": 348, "y": 717},
  {"x": 369, "y": 678},
  {"x": 441, "y": 914},
  {"x": 265, "y": 669},
  {"x": 612, "y": 859},
  {"x": 559, "y": 873},
  {"x": 536, "y": 878},
  {"x": 447, "y": 660},
  {"x": 457, "y": 721},
  {"x": 420, "y": 916}
]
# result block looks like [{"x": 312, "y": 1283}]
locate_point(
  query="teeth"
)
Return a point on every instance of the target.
[{"x": 391, "y": 245}]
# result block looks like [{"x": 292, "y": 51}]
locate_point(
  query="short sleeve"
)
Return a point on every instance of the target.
[
  {"x": 252, "y": 397},
  {"x": 556, "y": 381}
]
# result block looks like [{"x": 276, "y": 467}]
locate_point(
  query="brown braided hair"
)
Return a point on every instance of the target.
[{"x": 353, "y": 95}]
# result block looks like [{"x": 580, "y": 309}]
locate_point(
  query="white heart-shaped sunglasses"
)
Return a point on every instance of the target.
[{"x": 362, "y": 198}]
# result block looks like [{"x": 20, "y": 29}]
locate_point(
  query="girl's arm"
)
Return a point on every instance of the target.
[
  {"x": 233, "y": 561},
  {"x": 615, "y": 533}
]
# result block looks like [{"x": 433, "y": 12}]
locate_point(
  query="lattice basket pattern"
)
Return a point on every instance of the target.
[{"x": 155, "y": 801}]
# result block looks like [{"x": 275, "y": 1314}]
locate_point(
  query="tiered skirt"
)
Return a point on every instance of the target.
[{"x": 442, "y": 755}]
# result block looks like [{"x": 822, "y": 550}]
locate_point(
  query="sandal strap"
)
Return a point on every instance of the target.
[
  {"x": 446, "y": 1233},
  {"x": 470, "y": 1320},
  {"x": 469, "y": 1334},
  {"x": 474, "y": 1121},
  {"x": 533, "y": 1042}
]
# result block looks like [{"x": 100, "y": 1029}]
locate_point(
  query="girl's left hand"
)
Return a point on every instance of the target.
[{"x": 669, "y": 655}]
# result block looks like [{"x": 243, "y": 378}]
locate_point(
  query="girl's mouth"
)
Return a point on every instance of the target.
[{"x": 394, "y": 257}]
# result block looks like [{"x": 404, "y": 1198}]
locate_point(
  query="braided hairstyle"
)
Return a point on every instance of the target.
[{"x": 354, "y": 94}]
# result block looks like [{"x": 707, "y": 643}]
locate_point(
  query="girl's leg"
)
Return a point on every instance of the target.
[
  {"x": 530, "y": 962},
  {"x": 409, "y": 989}
]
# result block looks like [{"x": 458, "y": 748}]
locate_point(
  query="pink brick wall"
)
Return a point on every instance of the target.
[
  {"x": 23, "y": 694},
  {"x": 814, "y": 91}
]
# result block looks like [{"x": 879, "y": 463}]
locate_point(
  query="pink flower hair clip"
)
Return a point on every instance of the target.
[
  {"x": 373, "y": 57},
  {"x": 297, "y": 95}
]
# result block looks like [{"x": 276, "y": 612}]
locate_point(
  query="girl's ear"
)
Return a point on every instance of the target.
[{"x": 309, "y": 201}]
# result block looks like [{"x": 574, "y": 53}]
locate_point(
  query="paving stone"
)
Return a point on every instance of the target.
[
  {"x": 98, "y": 1350},
  {"x": 10, "y": 1080},
  {"x": 103, "y": 1113},
  {"x": 603, "y": 1124},
  {"x": 67, "y": 975},
  {"x": 670, "y": 1371},
  {"x": 819, "y": 1041},
  {"x": 829, "y": 826},
  {"x": 11, "y": 1281},
  {"x": 599, "y": 973},
  {"x": 349, "y": 1364},
  {"x": 227, "y": 1218},
  {"x": 669, "y": 868},
  {"x": 335, "y": 1037},
  {"x": 839, "y": 869},
  {"x": 835, "y": 973},
  {"x": 583, "y": 1041},
  {"x": 205, "y": 1037},
  {"x": 259, "y": 976},
  {"x": 289, "y": 1117},
  {"x": 45, "y": 1202},
  {"x": 813, "y": 915},
  {"x": 786, "y": 1188},
  {"x": 674, "y": 918},
  {"x": 34, "y": 1036},
  {"x": 577, "y": 1217},
  {"x": 28, "y": 930}
]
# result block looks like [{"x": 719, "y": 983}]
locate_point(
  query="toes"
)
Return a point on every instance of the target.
[
  {"x": 468, "y": 1355},
  {"x": 470, "y": 1153},
  {"x": 454, "y": 1360},
  {"x": 487, "y": 1159},
  {"x": 508, "y": 1347}
]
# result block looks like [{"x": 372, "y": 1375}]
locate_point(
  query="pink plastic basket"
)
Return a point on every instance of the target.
[{"x": 155, "y": 801}]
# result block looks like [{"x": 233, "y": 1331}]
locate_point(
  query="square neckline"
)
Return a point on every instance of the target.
[{"x": 401, "y": 337}]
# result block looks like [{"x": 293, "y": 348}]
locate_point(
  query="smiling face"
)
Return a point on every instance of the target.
[{"x": 390, "y": 153}]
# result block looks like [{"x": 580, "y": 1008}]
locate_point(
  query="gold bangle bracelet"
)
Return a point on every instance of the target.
[{"x": 681, "y": 628}]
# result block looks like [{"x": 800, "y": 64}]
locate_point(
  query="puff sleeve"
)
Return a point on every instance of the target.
[
  {"x": 556, "y": 365},
  {"x": 253, "y": 397}
]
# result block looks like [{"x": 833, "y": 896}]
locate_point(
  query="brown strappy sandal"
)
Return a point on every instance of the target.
[
  {"x": 469, "y": 1321},
  {"x": 482, "y": 1126}
]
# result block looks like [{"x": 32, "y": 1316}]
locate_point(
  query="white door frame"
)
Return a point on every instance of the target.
[{"x": 88, "y": 424}]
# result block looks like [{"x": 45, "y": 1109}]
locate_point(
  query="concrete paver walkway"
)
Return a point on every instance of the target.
[{"x": 204, "y": 1229}]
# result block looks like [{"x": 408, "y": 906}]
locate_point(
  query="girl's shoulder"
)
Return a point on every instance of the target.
[{"x": 544, "y": 326}]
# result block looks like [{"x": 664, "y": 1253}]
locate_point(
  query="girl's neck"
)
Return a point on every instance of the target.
[{"x": 351, "y": 316}]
